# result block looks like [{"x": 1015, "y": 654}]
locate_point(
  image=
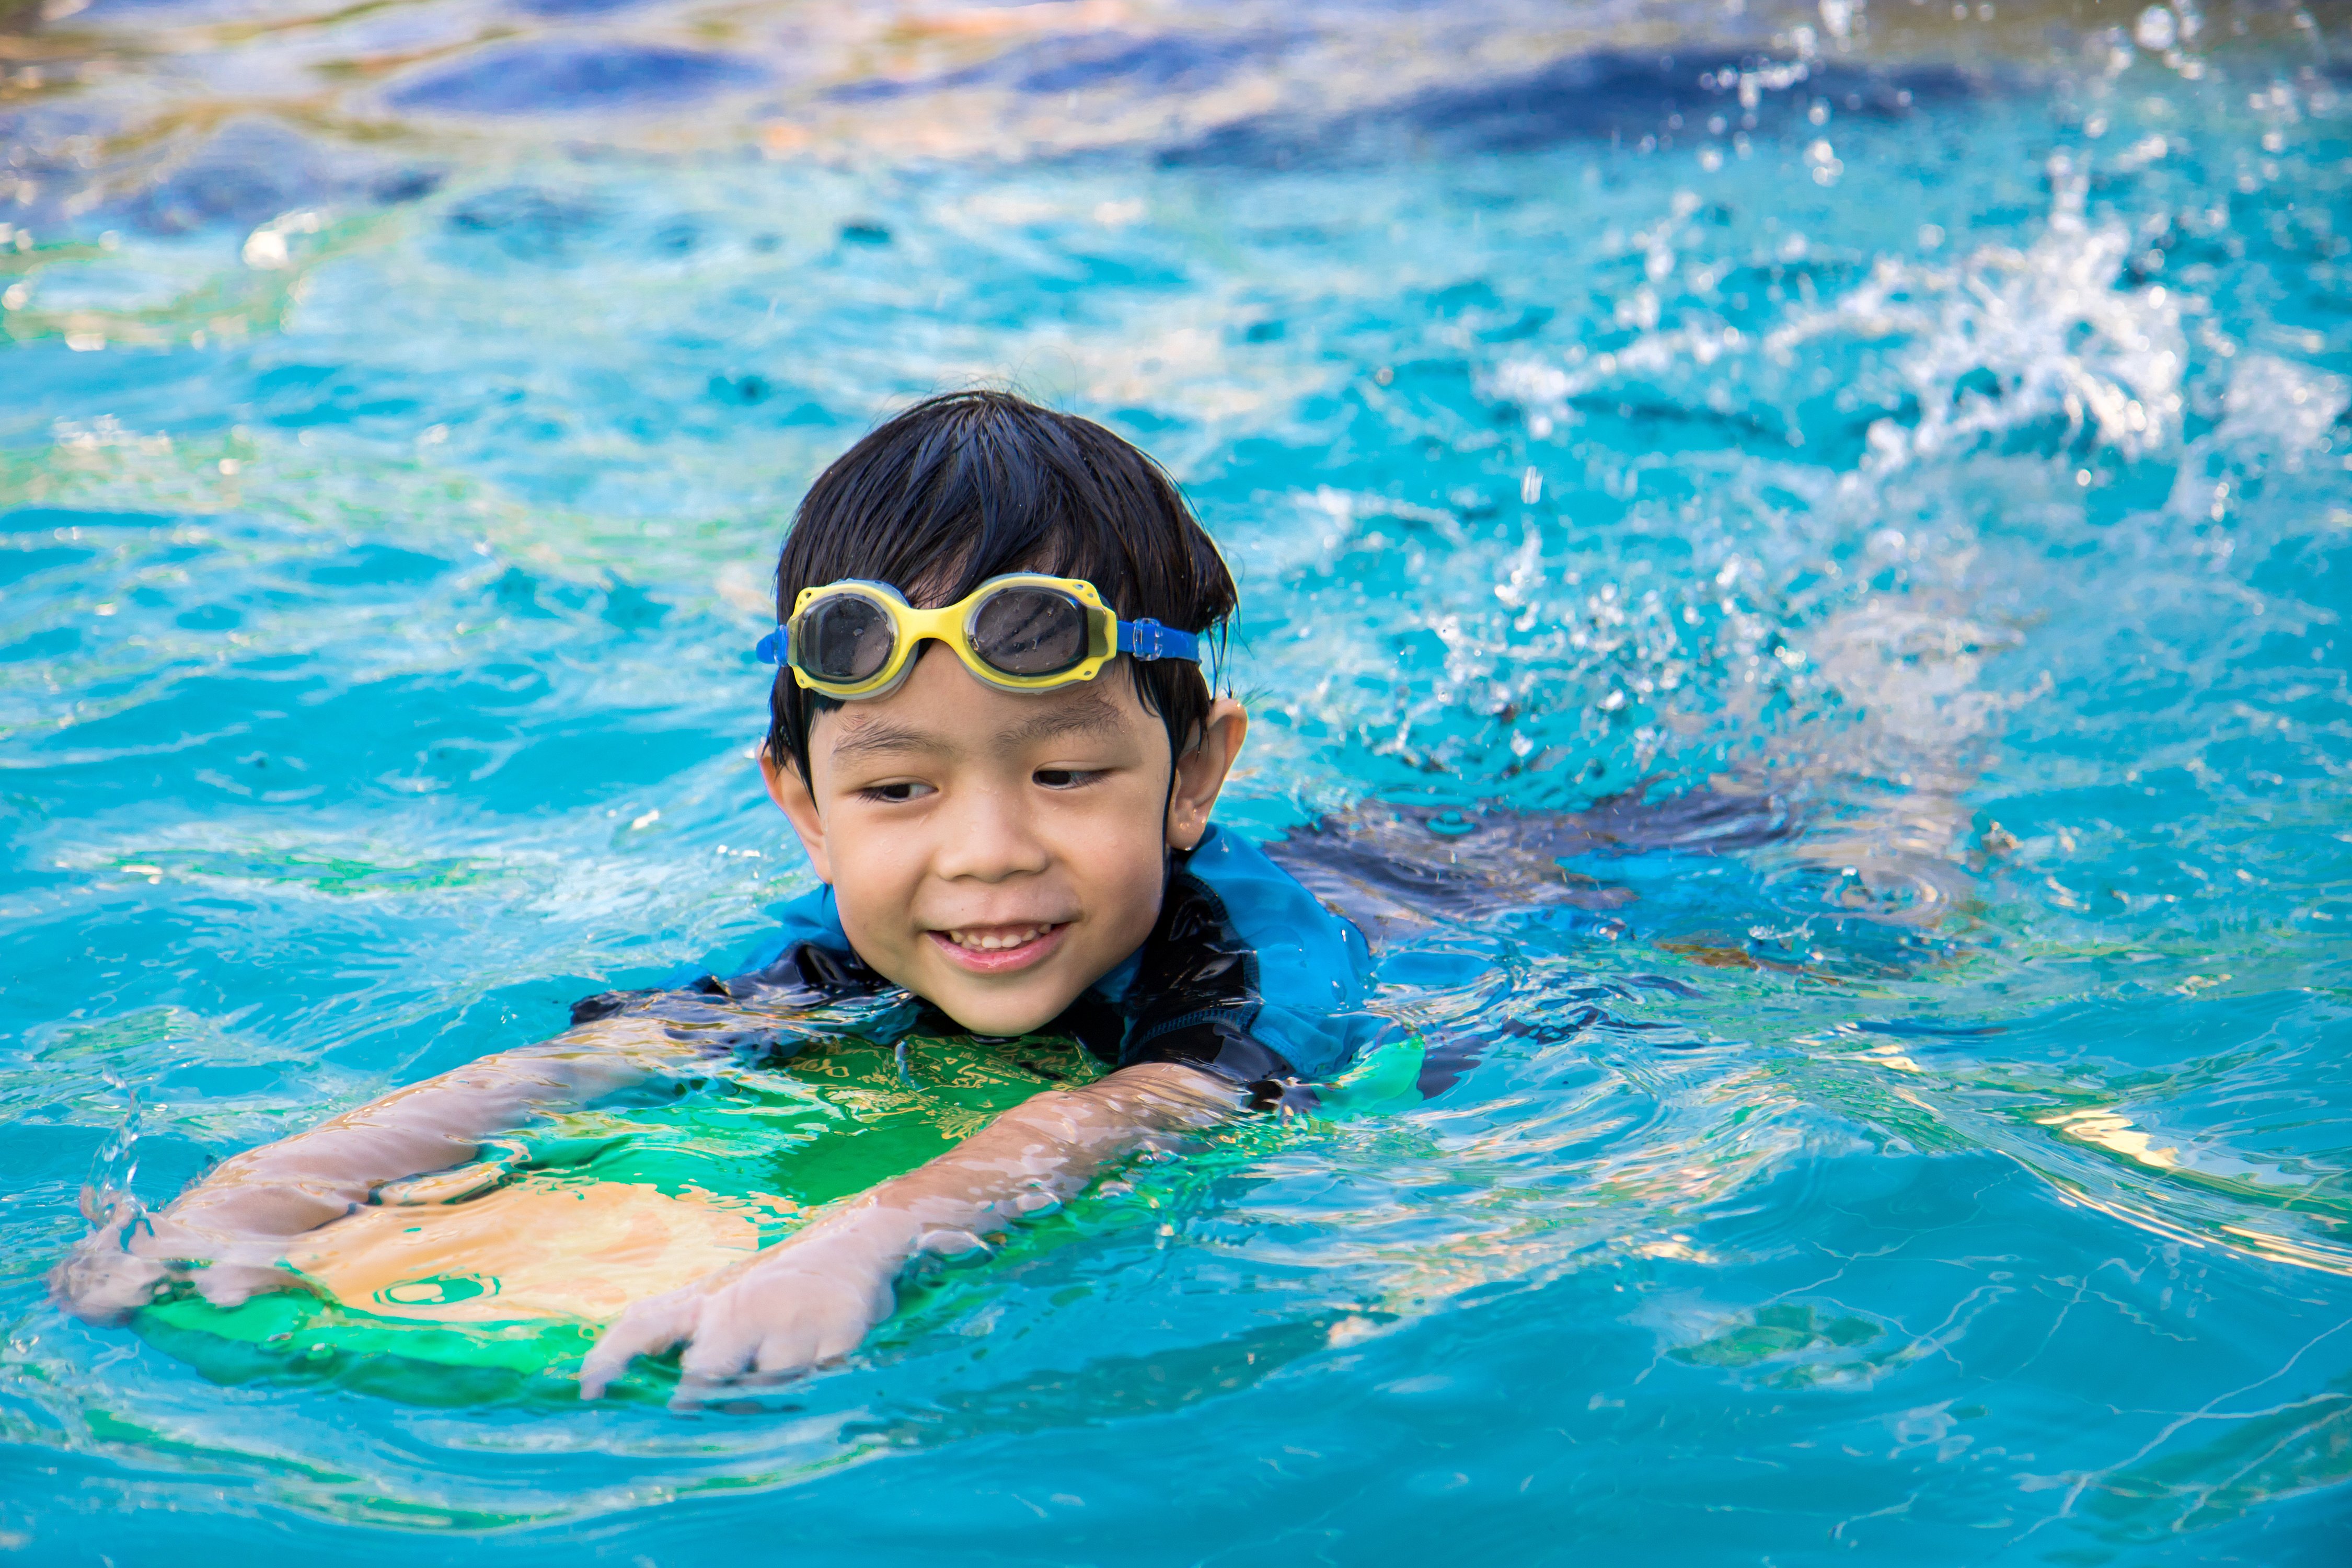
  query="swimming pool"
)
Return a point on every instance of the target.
[{"x": 1938, "y": 426}]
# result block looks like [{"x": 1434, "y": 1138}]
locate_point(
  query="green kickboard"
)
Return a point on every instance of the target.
[{"x": 748, "y": 1150}]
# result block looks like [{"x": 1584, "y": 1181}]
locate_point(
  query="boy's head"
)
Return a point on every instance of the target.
[{"x": 998, "y": 852}]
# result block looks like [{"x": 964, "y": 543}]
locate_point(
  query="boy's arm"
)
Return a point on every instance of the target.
[
  {"x": 813, "y": 1298},
  {"x": 227, "y": 1233}
]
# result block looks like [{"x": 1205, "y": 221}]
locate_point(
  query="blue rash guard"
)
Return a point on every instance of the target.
[{"x": 1246, "y": 976}]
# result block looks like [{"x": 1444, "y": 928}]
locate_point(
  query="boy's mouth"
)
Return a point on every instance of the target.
[{"x": 999, "y": 949}]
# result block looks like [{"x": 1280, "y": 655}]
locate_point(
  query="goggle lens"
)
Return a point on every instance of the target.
[
  {"x": 1018, "y": 633},
  {"x": 843, "y": 637},
  {"x": 1030, "y": 631}
]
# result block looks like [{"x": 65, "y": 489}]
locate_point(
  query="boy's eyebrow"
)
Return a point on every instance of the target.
[
  {"x": 881, "y": 735},
  {"x": 868, "y": 736},
  {"x": 1091, "y": 711}
]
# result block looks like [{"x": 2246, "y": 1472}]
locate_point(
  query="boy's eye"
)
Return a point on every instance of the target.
[
  {"x": 1065, "y": 778},
  {"x": 898, "y": 792}
]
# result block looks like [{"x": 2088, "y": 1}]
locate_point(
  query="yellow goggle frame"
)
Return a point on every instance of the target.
[{"x": 952, "y": 625}]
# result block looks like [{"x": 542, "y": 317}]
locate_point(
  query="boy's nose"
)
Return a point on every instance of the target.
[{"x": 987, "y": 838}]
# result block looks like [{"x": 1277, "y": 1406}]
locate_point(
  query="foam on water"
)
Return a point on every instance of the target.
[{"x": 1930, "y": 437}]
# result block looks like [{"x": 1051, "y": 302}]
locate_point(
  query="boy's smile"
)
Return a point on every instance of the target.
[
  {"x": 999, "y": 950},
  {"x": 996, "y": 853}
]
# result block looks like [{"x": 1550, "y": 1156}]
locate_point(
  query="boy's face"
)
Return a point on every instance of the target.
[{"x": 998, "y": 852}]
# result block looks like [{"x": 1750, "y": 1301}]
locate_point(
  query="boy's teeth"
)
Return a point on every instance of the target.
[{"x": 992, "y": 941}]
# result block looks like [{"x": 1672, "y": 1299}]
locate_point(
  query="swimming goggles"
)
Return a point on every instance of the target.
[{"x": 1020, "y": 632}]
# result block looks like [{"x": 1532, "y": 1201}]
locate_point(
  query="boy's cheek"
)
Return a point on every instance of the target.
[
  {"x": 873, "y": 894},
  {"x": 870, "y": 913},
  {"x": 874, "y": 850}
]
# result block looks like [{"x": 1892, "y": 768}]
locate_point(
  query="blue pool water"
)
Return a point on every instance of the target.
[{"x": 1938, "y": 424}]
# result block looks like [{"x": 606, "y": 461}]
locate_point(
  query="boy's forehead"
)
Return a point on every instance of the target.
[{"x": 943, "y": 708}]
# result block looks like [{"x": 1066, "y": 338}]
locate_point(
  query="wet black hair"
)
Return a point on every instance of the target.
[{"x": 971, "y": 485}]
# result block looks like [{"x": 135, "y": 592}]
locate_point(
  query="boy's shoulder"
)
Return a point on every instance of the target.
[
  {"x": 1264, "y": 955},
  {"x": 1307, "y": 956}
]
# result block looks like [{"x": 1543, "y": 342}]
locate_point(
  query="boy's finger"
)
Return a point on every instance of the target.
[
  {"x": 649, "y": 1328},
  {"x": 234, "y": 1284},
  {"x": 103, "y": 1285},
  {"x": 794, "y": 1349},
  {"x": 837, "y": 1339},
  {"x": 610, "y": 1356},
  {"x": 816, "y": 1336},
  {"x": 720, "y": 1351}
]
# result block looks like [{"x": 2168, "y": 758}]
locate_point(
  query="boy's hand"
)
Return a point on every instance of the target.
[
  {"x": 801, "y": 1302},
  {"x": 812, "y": 1299},
  {"x": 131, "y": 1257}
]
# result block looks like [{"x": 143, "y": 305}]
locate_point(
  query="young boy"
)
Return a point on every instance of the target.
[{"x": 991, "y": 734}]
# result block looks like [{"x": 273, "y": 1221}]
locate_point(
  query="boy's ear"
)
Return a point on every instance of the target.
[
  {"x": 1201, "y": 773},
  {"x": 790, "y": 792}
]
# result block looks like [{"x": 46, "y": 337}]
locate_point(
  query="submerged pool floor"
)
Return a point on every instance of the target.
[{"x": 1931, "y": 462}]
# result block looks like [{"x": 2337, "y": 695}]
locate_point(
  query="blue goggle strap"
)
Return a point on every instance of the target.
[
  {"x": 1144, "y": 639},
  {"x": 1147, "y": 640}
]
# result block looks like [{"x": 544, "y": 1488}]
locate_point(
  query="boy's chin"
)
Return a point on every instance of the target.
[
  {"x": 1002, "y": 1008},
  {"x": 1028, "y": 994},
  {"x": 1002, "y": 1014}
]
